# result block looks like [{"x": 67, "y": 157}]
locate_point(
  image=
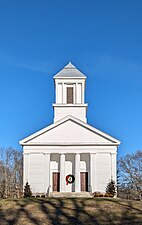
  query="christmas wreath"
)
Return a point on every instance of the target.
[{"x": 70, "y": 179}]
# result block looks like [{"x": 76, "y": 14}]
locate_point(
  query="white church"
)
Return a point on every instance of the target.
[{"x": 69, "y": 155}]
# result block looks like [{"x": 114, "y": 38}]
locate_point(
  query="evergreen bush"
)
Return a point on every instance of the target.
[
  {"x": 27, "y": 191},
  {"x": 111, "y": 188}
]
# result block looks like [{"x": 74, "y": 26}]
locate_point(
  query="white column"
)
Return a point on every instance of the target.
[
  {"x": 64, "y": 93},
  {"x": 83, "y": 94},
  {"x": 62, "y": 172},
  {"x": 113, "y": 167},
  {"x": 26, "y": 169},
  {"x": 47, "y": 173},
  {"x": 77, "y": 172},
  {"x": 92, "y": 172},
  {"x": 76, "y": 94},
  {"x": 56, "y": 92}
]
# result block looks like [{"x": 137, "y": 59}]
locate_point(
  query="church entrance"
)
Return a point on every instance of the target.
[
  {"x": 56, "y": 181},
  {"x": 84, "y": 181}
]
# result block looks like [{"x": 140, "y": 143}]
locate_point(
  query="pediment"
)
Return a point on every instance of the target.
[{"x": 69, "y": 130}]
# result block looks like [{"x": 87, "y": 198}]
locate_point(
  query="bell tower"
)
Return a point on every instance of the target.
[{"x": 70, "y": 91}]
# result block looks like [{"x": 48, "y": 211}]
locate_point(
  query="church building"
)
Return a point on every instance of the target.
[{"x": 69, "y": 155}]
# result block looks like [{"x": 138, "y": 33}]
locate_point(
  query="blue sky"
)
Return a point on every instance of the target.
[{"x": 102, "y": 38}]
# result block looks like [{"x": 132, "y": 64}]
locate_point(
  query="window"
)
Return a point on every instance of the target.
[{"x": 69, "y": 95}]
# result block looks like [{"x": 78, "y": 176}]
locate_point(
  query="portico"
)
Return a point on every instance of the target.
[
  {"x": 69, "y": 146},
  {"x": 61, "y": 164}
]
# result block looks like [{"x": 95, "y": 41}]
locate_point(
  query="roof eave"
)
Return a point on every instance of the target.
[
  {"x": 68, "y": 144},
  {"x": 77, "y": 77}
]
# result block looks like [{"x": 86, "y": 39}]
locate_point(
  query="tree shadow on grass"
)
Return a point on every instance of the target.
[
  {"x": 128, "y": 212},
  {"x": 15, "y": 214},
  {"x": 72, "y": 211},
  {"x": 58, "y": 213}
]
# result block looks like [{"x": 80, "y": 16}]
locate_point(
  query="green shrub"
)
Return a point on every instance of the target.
[
  {"x": 111, "y": 188},
  {"x": 27, "y": 191}
]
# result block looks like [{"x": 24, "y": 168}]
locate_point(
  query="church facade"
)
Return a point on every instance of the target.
[{"x": 69, "y": 155}]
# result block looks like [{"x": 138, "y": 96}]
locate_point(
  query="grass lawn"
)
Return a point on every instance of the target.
[{"x": 99, "y": 211}]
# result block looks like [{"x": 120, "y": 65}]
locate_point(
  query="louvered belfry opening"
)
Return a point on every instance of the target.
[{"x": 69, "y": 95}]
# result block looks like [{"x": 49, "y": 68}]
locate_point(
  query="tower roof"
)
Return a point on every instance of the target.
[{"x": 69, "y": 71}]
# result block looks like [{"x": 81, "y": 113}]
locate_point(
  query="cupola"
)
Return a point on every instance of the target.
[{"x": 70, "y": 92}]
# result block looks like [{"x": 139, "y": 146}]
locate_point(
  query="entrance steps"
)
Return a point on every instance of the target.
[{"x": 82, "y": 194}]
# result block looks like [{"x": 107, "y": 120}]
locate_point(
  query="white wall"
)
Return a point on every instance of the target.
[
  {"x": 102, "y": 170},
  {"x": 36, "y": 172},
  {"x": 76, "y": 111}
]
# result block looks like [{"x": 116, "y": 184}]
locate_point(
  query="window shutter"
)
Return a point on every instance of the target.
[{"x": 69, "y": 95}]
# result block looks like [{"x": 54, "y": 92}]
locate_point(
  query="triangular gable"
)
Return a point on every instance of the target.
[{"x": 69, "y": 130}]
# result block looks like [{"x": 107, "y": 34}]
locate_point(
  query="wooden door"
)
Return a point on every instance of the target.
[
  {"x": 56, "y": 181},
  {"x": 84, "y": 181}
]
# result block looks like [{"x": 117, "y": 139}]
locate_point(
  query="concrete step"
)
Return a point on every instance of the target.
[{"x": 71, "y": 195}]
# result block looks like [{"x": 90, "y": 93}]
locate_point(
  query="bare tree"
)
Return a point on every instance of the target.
[
  {"x": 130, "y": 172},
  {"x": 11, "y": 171},
  {"x": 2, "y": 180}
]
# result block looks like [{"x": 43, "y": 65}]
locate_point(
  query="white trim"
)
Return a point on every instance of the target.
[
  {"x": 77, "y": 77},
  {"x": 69, "y": 105},
  {"x": 69, "y": 144}
]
